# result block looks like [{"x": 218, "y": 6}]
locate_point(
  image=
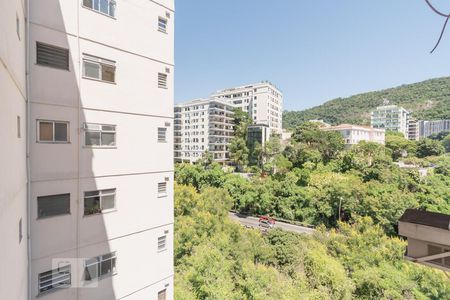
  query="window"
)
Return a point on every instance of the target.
[
  {"x": 99, "y": 135},
  {"x": 162, "y": 294},
  {"x": 54, "y": 279},
  {"x": 433, "y": 250},
  {"x": 162, "y": 242},
  {"x": 53, "y": 131},
  {"x": 96, "y": 202},
  {"x": 18, "y": 127},
  {"x": 107, "y": 7},
  {"x": 162, "y": 24},
  {"x": 162, "y": 80},
  {"x": 52, "y": 56},
  {"x": 53, "y": 205},
  {"x": 20, "y": 231},
  {"x": 18, "y": 26},
  {"x": 162, "y": 134},
  {"x": 162, "y": 189},
  {"x": 100, "y": 266},
  {"x": 99, "y": 68}
]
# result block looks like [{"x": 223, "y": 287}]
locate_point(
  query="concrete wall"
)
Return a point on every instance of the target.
[{"x": 13, "y": 179}]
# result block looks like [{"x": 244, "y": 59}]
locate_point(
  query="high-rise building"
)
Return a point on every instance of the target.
[
  {"x": 262, "y": 101},
  {"x": 427, "y": 128},
  {"x": 99, "y": 133},
  {"x": 391, "y": 117},
  {"x": 413, "y": 129},
  {"x": 203, "y": 125}
]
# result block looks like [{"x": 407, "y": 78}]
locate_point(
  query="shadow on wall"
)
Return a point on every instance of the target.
[{"x": 71, "y": 256}]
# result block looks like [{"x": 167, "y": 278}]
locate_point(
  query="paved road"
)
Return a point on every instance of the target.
[{"x": 253, "y": 222}]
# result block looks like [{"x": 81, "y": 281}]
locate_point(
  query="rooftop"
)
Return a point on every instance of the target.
[{"x": 426, "y": 218}]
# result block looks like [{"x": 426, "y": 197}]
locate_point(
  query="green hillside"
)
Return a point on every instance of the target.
[{"x": 428, "y": 99}]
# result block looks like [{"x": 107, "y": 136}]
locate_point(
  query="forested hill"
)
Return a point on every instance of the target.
[{"x": 428, "y": 99}]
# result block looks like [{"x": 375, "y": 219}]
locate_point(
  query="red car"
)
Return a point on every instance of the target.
[{"x": 266, "y": 221}]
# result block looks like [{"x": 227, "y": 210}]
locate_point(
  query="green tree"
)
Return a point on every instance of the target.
[
  {"x": 239, "y": 153},
  {"x": 428, "y": 147},
  {"x": 399, "y": 146},
  {"x": 446, "y": 143}
]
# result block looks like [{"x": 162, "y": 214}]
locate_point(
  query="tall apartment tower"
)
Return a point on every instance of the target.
[
  {"x": 13, "y": 170},
  {"x": 203, "y": 125},
  {"x": 390, "y": 117},
  {"x": 262, "y": 101},
  {"x": 100, "y": 196}
]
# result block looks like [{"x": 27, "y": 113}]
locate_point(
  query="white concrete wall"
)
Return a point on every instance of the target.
[
  {"x": 13, "y": 179},
  {"x": 137, "y": 107}
]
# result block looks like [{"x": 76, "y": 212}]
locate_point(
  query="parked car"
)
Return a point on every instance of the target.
[{"x": 266, "y": 222}]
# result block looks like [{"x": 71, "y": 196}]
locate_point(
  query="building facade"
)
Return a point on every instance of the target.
[
  {"x": 427, "y": 128},
  {"x": 353, "y": 134},
  {"x": 203, "y": 125},
  {"x": 257, "y": 134},
  {"x": 262, "y": 101},
  {"x": 413, "y": 130},
  {"x": 13, "y": 171},
  {"x": 100, "y": 197},
  {"x": 391, "y": 117}
]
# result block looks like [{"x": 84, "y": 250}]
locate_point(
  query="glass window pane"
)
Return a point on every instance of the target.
[
  {"x": 45, "y": 131},
  {"x": 112, "y": 8},
  {"x": 91, "y": 193},
  {"x": 92, "y": 138},
  {"x": 104, "y": 6},
  {"x": 92, "y": 206},
  {"x": 108, "y": 202},
  {"x": 91, "y": 70},
  {"x": 108, "y": 139},
  {"x": 91, "y": 272},
  {"x": 108, "y": 73},
  {"x": 53, "y": 205},
  {"x": 87, "y": 3},
  {"x": 108, "y": 127},
  {"x": 105, "y": 267},
  {"x": 61, "y": 132}
]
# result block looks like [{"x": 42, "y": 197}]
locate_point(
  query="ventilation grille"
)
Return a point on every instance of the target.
[{"x": 52, "y": 56}]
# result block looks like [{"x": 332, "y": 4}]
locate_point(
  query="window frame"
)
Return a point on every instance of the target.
[
  {"x": 162, "y": 140},
  {"x": 162, "y": 243},
  {"x": 99, "y": 11},
  {"x": 53, "y": 141},
  {"x": 165, "y": 21},
  {"x": 86, "y": 129},
  {"x": 101, "y": 194},
  {"x": 162, "y": 194},
  {"x": 162, "y": 80},
  {"x": 162, "y": 293},
  {"x": 51, "y": 216},
  {"x": 98, "y": 263},
  {"x": 101, "y": 62},
  {"x": 61, "y": 272}
]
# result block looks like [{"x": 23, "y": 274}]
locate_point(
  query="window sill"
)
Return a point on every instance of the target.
[
  {"x": 162, "y": 31},
  {"x": 162, "y": 196},
  {"x": 48, "y": 142},
  {"x": 162, "y": 250},
  {"x": 51, "y": 217},
  {"x": 98, "y": 12},
  {"x": 100, "y": 147},
  {"x": 42, "y": 294},
  {"x": 99, "y": 80},
  {"x": 101, "y": 213},
  {"x": 53, "y": 68}
]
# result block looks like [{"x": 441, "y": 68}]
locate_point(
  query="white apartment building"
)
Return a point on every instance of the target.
[
  {"x": 203, "y": 125},
  {"x": 262, "y": 101},
  {"x": 99, "y": 133},
  {"x": 353, "y": 134},
  {"x": 427, "y": 128},
  {"x": 391, "y": 117},
  {"x": 413, "y": 130}
]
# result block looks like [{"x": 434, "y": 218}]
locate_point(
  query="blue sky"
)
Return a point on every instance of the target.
[{"x": 313, "y": 51}]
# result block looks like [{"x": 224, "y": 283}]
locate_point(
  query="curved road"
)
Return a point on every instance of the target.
[{"x": 254, "y": 222}]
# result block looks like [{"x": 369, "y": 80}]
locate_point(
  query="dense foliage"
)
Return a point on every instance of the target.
[
  {"x": 216, "y": 258},
  {"x": 427, "y": 100}
]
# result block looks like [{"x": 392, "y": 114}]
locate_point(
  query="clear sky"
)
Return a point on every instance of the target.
[{"x": 313, "y": 51}]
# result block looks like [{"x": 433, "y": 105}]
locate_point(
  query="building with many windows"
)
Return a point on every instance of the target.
[
  {"x": 391, "y": 117},
  {"x": 413, "y": 130},
  {"x": 353, "y": 134},
  {"x": 427, "y": 128},
  {"x": 94, "y": 216},
  {"x": 262, "y": 101},
  {"x": 203, "y": 125}
]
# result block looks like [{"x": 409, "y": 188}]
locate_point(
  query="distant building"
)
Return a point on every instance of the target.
[
  {"x": 390, "y": 117},
  {"x": 262, "y": 101},
  {"x": 428, "y": 237},
  {"x": 413, "y": 130},
  {"x": 427, "y": 128},
  {"x": 258, "y": 133},
  {"x": 321, "y": 123},
  {"x": 203, "y": 125},
  {"x": 353, "y": 134}
]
